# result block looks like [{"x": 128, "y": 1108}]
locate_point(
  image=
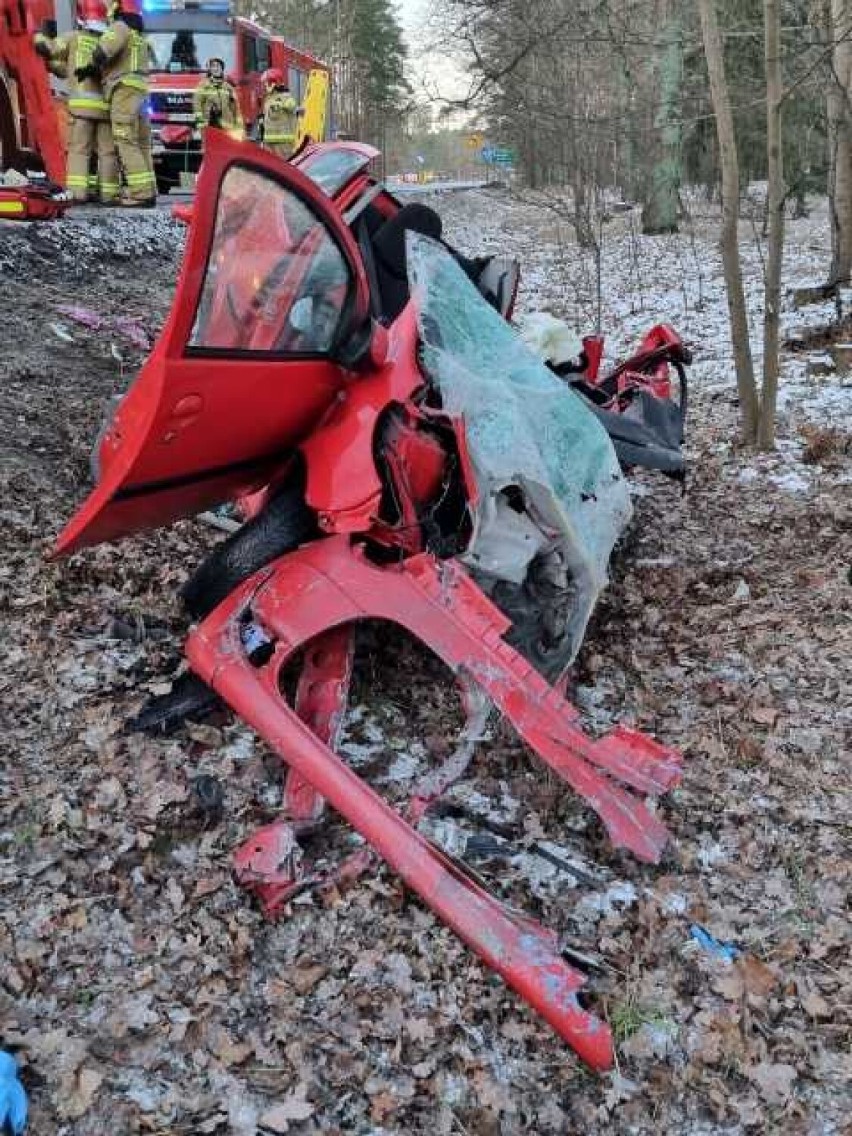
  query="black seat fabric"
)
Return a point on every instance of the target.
[{"x": 389, "y": 249}]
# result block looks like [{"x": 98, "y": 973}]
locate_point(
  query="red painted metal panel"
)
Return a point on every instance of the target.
[
  {"x": 199, "y": 428},
  {"x": 522, "y": 952}
]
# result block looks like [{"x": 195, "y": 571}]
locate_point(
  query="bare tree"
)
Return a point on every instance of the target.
[
  {"x": 839, "y": 110},
  {"x": 661, "y": 205},
  {"x": 776, "y": 192},
  {"x": 738, "y": 316}
]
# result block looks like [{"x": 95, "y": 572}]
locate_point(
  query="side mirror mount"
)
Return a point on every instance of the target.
[
  {"x": 379, "y": 348},
  {"x": 369, "y": 346}
]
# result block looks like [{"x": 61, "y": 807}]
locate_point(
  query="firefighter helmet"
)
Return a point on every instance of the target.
[
  {"x": 92, "y": 11},
  {"x": 274, "y": 77}
]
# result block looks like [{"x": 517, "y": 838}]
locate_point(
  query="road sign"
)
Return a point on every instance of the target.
[{"x": 497, "y": 156}]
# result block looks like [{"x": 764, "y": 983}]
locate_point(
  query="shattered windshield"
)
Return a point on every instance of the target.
[
  {"x": 527, "y": 433},
  {"x": 332, "y": 169}
]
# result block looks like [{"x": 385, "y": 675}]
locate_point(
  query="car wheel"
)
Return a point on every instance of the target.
[{"x": 282, "y": 525}]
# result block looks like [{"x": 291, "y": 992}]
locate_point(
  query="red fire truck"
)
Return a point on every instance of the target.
[{"x": 184, "y": 34}]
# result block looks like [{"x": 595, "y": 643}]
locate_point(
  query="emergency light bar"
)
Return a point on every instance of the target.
[{"x": 186, "y": 6}]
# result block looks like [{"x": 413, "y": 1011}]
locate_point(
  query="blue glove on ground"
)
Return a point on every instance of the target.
[{"x": 13, "y": 1099}]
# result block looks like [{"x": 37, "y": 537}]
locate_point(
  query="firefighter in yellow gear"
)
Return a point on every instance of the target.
[
  {"x": 90, "y": 133},
  {"x": 121, "y": 59},
  {"x": 44, "y": 43},
  {"x": 214, "y": 102},
  {"x": 281, "y": 113}
]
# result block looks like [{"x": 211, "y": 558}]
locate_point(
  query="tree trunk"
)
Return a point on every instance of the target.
[
  {"x": 840, "y": 142},
  {"x": 721, "y": 101},
  {"x": 775, "y": 249},
  {"x": 660, "y": 211}
]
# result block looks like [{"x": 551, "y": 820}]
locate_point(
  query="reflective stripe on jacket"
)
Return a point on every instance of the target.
[
  {"x": 55, "y": 66},
  {"x": 279, "y": 118},
  {"x": 126, "y": 52},
  {"x": 72, "y": 52},
  {"x": 217, "y": 93}
]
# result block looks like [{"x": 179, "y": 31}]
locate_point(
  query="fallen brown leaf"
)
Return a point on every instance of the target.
[
  {"x": 764, "y": 715},
  {"x": 294, "y": 1107},
  {"x": 382, "y": 1105},
  {"x": 305, "y": 978},
  {"x": 80, "y": 1099},
  {"x": 758, "y": 978},
  {"x": 775, "y": 1082}
]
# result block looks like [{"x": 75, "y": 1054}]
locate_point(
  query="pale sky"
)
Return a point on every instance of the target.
[{"x": 430, "y": 70}]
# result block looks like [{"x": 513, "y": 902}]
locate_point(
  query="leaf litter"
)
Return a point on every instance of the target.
[{"x": 141, "y": 991}]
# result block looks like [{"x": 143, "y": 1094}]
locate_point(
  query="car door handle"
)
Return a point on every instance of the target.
[{"x": 183, "y": 414}]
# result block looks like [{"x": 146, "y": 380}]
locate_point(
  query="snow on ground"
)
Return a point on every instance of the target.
[
  {"x": 675, "y": 279},
  {"x": 139, "y": 987}
]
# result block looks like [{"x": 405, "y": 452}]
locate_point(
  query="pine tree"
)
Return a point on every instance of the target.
[{"x": 363, "y": 43}]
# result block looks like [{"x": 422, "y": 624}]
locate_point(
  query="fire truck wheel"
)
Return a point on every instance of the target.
[{"x": 284, "y": 524}]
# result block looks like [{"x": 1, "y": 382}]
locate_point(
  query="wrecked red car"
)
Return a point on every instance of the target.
[{"x": 398, "y": 455}]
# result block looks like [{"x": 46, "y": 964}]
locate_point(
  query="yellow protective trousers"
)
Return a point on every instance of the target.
[
  {"x": 88, "y": 137},
  {"x": 132, "y": 133}
]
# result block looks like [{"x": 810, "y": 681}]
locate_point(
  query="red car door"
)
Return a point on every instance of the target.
[{"x": 272, "y": 284}]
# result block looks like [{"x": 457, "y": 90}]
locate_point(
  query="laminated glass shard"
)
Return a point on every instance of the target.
[{"x": 550, "y": 486}]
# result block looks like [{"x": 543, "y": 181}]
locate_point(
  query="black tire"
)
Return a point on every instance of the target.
[
  {"x": 284, "y": 524},
  {"x": 162, "y": 715}
]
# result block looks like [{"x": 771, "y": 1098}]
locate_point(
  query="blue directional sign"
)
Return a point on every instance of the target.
[{"x": 497, "y": 156}]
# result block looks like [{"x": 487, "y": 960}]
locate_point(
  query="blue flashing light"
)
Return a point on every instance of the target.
[{"x": 160, "y": 6}]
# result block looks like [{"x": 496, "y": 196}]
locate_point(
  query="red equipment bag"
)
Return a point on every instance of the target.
[{"x": 29, "y": 203}]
